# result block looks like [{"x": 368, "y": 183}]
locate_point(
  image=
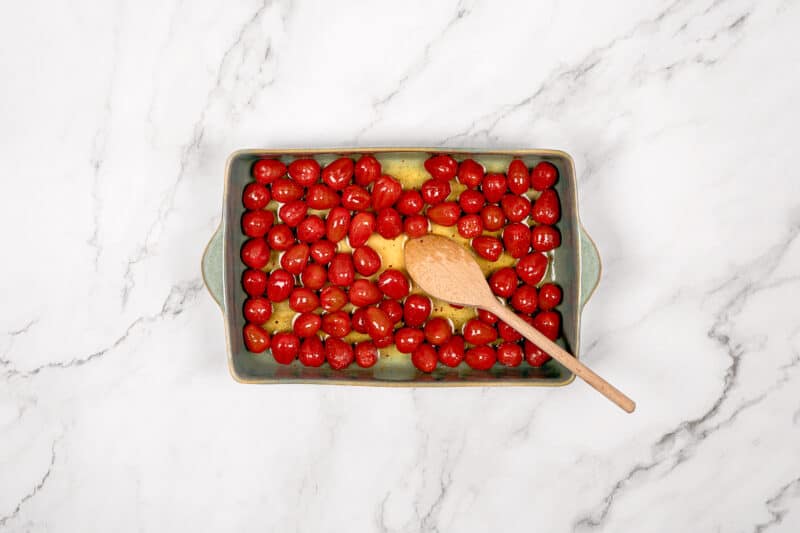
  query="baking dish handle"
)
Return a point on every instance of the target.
[
  {"x": 212, "y": 266},
  {"x": 590, "y": 266}
]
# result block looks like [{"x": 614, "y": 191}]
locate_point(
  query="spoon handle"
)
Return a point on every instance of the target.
[{"x": 565, "y": 358}]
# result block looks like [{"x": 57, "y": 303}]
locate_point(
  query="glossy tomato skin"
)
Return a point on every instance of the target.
[
  {"x": 337, "y": 224},
  {"x": 549, "y": 296},
  {"x": 470, "y": 173},
  {"x": 255, "y": 253},
  {"x": 385, "y": 192},
  {"x": 442, "y": 167},
  {"x": 509, "y": 354},
  {"x": 494, "y": 186},
  {"x": 516, "y": 208},
  {"x": 355, "y": 198},
  {"x": 338, "y": 353},
  {"x": 279, "y": 285},
  {"x": 322, "y": 251},
  {"x": 257, "y": 310},
  {"x": 254, "y": 282},
  {"x": 367, "y": 170},
  {"x": 549, "y": 323},
  {"x": 268, "y": 170},
  {"x": 486, "y": 317},
  {"x": 311, "y": 229},
  {"x": 361, "y": 227},
  {"x": 451, "y": 352},
  {"x": 532, "y": 267},
  {"x": 304, "y": 171},
  {"x": 415, "y": 226},
  {"x": 490, "y": 248},
  {"x": 393, "y": 310},
  {"x": 285, "y": 190},
  {"x": 408, "y": 339},
  {"x": 359, "y": 320},
  {"x": 312, "y": 352},
  {"x": 493, "y": 217},
  {"x": 410, "y": 202},
  {"x": 543, "y": 175},
  {"x": 517, "y": 239},
  {"x": 438, "y": 331},
  {"x": 321, "y": 196},
  {"x": 378, "y": 324},
  {"x": 303, "y": 300},
  {"x": 366, "y": 354},
  {"x": 444, "y": 214},
  {"x": 336, "y": 324},
  {"x": 416, "y": 310},
  {"x": 545, "y": 238},
  {"x": 424, "y": 358},
  {"x": 256, "y": 340},
  {"x": 294, "y": 260},
  {"x": 503, "y": 282},
  {"x": 314, "y": 276},
  {"x": 292, "y": 213},
  {"x": 363, "y": 292},
  {"x": 393, "y": 284},
  {"x": 338, "y": 173},
  {"x": 332, "y": 298},
  {"x": 280, "y": 237},
  {"x": 285, "y": 347},
  {"x": 389, "y": 223},
  {"x": 510, "y": 334},
  {"x": 534, "y": 355},
  {"x": 307, "y": 325},
  {"x": 476, "y": 332},
  {"x": 366, "y": 260},
  {"x": 518, "y": 177},
  {"x": 525, "y": 299},
  {"x": 481, "y": 357},
  {"x": 255, "y": 196},
  {"x": 470, "y": 226},
  {"x": 471, "y": 202},
  {"x": 546, "y": 209},
  {"x": 434, "y": 191},
  {"x": 341, "y": 271}
]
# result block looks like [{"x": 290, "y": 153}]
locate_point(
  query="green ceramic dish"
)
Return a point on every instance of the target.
[{"x": 576, "y": 267}]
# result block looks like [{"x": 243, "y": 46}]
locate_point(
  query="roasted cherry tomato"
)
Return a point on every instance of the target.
[
  {"x": 341, "y": 270},
  {"x": 255, "y": 196},
  {"x": 312, "y": 352},
  {"x": 279, "y": 285},
  {"x": 442, "y": 167},
  {"x": 534, "y": 355},
  {"x": 416, "y": 310},
  {"x": 532, "y": 267},
  {"x": 385, "y": 192},
  {"x": 525, "y": 299},
  {"x": 366, "y": 260},
  {"x": 509, "y": 354},
  {"x": 268, "y": 170},
  {"x": 361, "y": 227},
  {"x": 304, "y": 171},
  {"x": 451, "y": 352},
  {"x": 516, "y": 208},
  {"x": 336, "y": 324},
  {"x": 323, "y": 251},
  {"x": 286, "y": 190},
  {"x": 306, "y": 325},
  {"x": 257, "y": 310},
  {"x": 337, "y": 224},
  {"x": 434, "y": 191},
  {"x": 393, "y": 284},
  {"x": 332, "y": 298},
  {"x": 503, "y": 282},
  {"x": 367, "y": 170},
  {"x": 366, "y": 354},
  {"x": 311, "y": 229},
  {"x": 338, "y": 353},
  {"x": 471, "y": 202},
  {"x": 518, "y": 178},
  {"x": 303, "y": 300},
  {"x": 285, "y": 347},
  {"x": 255, "y": 253},
  {"x": 549, "y": 323},
  {"x": 355, "y": 198},
  {"x": 295, "y": 259},
  {"x": 393, "y": 310},
  {"x": 487, "y": 247},
  {"x": 444, "y": 214},
  {"x": 549, "y": 296},
  {"x": 493, "y": 217},
  {"x": 546, "y": 209},
  {"x": 280, "y": 237},
  {"x": 363, "y": 292},
  {"x": 254, "y": 282},
  {"x": 543, "y": 175},
  {"x": 494, "y": 186},
  {"x": 544, "y": 238},
  {"x": 256, "y": 340},
  {"x": 321, "y": 197},
  {"x": 410, "y": 202},
  {"x": 481, "y": 357},
  {"x": 389, "y": 223},
  {"x": 408, "y": 339},
  {"x": 470, "y": 173},
  {"x": 470, "y": 226},
  {"x": 476, "y": 332},
  {"x": 415, "y": 226},
  {"x": 338, "y": 173},
  {"x": 424, "y": 358},
  {"x": 438, "y": 331},
  {"x": 378, "y": 324},
  {"x": 517, "y": 239}
]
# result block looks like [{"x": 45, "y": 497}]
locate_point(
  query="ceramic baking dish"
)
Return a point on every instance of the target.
[{"x": 575, "y": 266}]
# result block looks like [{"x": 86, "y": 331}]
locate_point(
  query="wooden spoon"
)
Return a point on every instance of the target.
[{"x": 448, "y": 271}]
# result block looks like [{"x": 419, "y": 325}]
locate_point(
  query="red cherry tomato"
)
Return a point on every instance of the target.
[
  {"x": 359, "y": 320},
  {"x": 510, "y": 334},
  {"x": 280, "y": 237},
  {"x": 255, "y": 253},
  {"x": 470, "y": 226},
  {"x": 367, "y": 170},
  {"x": 534, "y": 355},
  {"x": 509, "y": 354},
  {"x": 549, "y": 323},
  {"x": 255, "y": 196},
  {"x": 544, "y": 238},
  {"x": 323, "y": 251},
  {"x": 517, "y": 239},
  {"x": 311, "y": 229},
  {"x": 366, "y": 354},
  {"x": 546, "y": 209},
  {"x": 285, "y": 190},
  {"x": 410, "y": 202},
  {"x": 516, "y": 208},
  {"x": 481, "y": 357},
  {"x": 549, "y": 296},
  {"x": 503, "y": 282},
  {"x": 408, "y": 339},
  {"x": 292, "y": 213},
  {"x": 355, "y": 198},
  {"x": 338, "y": 353},
  {"x": 471, "y": 202},
  {"x": 444, "y": 214},
  {"x": 442, "y": 167},
  {"x": 366, "y": 260},
  {"x": 518, "y": 178},
  {"x": 279, "y": 285},
  {"x": 304, "y": 171},
  {"x": 378, "y": 324},
  {"x": 385, "y": 192},
  {"x": 361, "y": 227},
  {"x": 487, "y": 318},
  {"x": 303, "y": 300},
  {"x": 525, "y": 299},
  {"x": 341, "y": 270},
  {"x": 294, "y": 259},
  {"x": 257, "y": 223},
  {"x": 268, "y": 170},
  {"x": 470, "y": 173},
  {"x": 389, "y": 223},
  {"x": 337, "y": 224},
  {"x": 285, "y": 347},
  {"x": 363, "y": 292},
  {"x": 254, "y": 282},
  {"x": 424, "y": 358},
  {"x": 543, "y": 175},
  {"x": 434, "y": 191},
  {"x": 416, "y": 310},
  {"x": 257, "y": 310},
  {"x": 336, "y": 324},
  {"x": 493, "y": 217},
  {"x": 494, "y": 186},
  {"x": 415, "y": 226},
  {"x": 306, "y": 325},
  {"x": 332, "y": 298},
  {"x": 393, "y": 310},
  {"x": 321, "y": 197},
  {"x": 438, "y": 331},
  {"x": 476, "y": 332},
  {"x": 451, "y": 352},
  {"x": 338, "y": 173},
  {"x": 312, "y": 352},
  {"x": 487, "y": 247},
  {"x": 256, "y": 340},
  {"x": 532, "y": 267},
  {"x": 393, "y": 284}
]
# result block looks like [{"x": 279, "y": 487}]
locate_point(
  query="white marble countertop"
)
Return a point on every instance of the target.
[{"x": 117, "y": 412}]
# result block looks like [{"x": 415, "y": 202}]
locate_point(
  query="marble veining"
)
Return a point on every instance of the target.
[{"x": 117, "y": 412}]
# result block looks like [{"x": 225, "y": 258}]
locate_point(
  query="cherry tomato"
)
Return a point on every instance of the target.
[
  {"x": 442, "y": 167},
  {"x": 416, "y": 310},
  {"x": 481, "y": 357},
  {"x": 487, "y": 247},
  {"x": 255, "y": 253},
  {"x": 470, "y": 226},
  {"x": 408, "y": 339},
  {"x": 546, "y": 209},
  {"x": 257, "y": 223},
  {"x": 385, "y": 192},
  {"x": 410, "y": 202},
  {"x": 494, "y": 186},
  {"x": 378, "y": 324},
  {"x": 279, "y": 285},
  {"x": 476, "y": 332},
  {"x": 487, "y": 318},
  {"x": 534, "y": 355},
  {"x": 451, "y": 352},
  {"x": 341, "y": 271},
  {"x": 361, "y": 227},
  {"x": 549, "y": 323},
  {"x": 516, "y": 208},
  {"x": 359, "y": 320},
  {"x": 304, "y": 171},
  {"x": 332, "y": 298},
  {"x": 268, "y": 170},
  {"x": 256, "y": 340},
  {"x": 254, "y": 282},
  {"x": 525, "y": 299},
  {"x": 280, "y": 237},
  {"x": 294, "y": 259},
  {"x": 544, "y": 238},
  {"x": 366, "y": 354},
  {"x": 438, "y": 331},
  {"x": 393, "y": 284},
  {"x": 285, "y": 347},
  {"x": 312, "y": 352},
  {"x": 255, "y": 196},
  {"x": 493, "y": 217},
  {"x": 470, "y": 173},
  {"x": 338, "y": 173},
  {"x": 471, "y": 202},
  {"x": 393, "y": 310},
  {"x": 444, "y": 214},
  {"x": 285, "y": 190},
  {"x": 303, "y": 300},
  {"x": 503, "y": 282},
  {"x": 367, "y": 170},
  {"x": 293, "y": 212},
  {"x": 518, "y": 178},
  {"x": 336, "y": 324},
  {"x": 424, "y": 358},
  {"x": 337, "y": 224},
  {"x": 510, "y": 334},
  {"x": 323, "y": 251},
  {"x": 306, "y": 325},
  {"x": 509, "y": 354},
  {"x": 543, "y": 175},
  {"x": 434, "y": 191},
  {"x": 532, "y": 267},
  {"x": 257, "y": 310},
  {"x": 355, "y": 198},
  {"x": 549, "y": 296},
  {"x": 415, "y": 226},
  {"x": 321, "y": 197},
  {"x": 311, "y": 229},
  {"x": 517, "y": 239},
  {"x": 389, "y": 223},
  {"x": 363, "y": 292},
  {"x": 366, "y": 260},
  {"x": 338, "y": 353}
]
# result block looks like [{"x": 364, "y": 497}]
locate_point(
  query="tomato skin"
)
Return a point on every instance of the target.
[
  {"x": 517, "y": 239},
  {"x": 341, "y": 271},
  {"x": 363, "y": 293},
  {"x": 476, "y": 332},
  {"x": 294, "y": 260},
  {"x": 470, "y": 226},
  {"x": 481, "y": 357},
  {"x": 385, "y": 192},
  {"x": 487, "y": 247},
  {"x": 408, "y": 339},
  {"x": 311, "y": 229},
  {"x": 322, "y": 251},
  {"x": 442, "y": 167},
  {"x": 336, "y": 324},
  {"x": 546, "y": 209},
  {"x": 516, "y": 208},
  {"x": 279, "y": 285},
  {"x": 470, "y": 173},
  {"x": 355, "y": 198},
  {"x": 393, "y": 310},
  {"x": 255, "y": 253},
  {"x": 494, "y": 186},
  {"x": 285, "y": 347},
  {"x": 424, "y": 358},
  {"x": 255, "y": 196},
  {"x": 338, "y": 173},
  {"x": 285, "y": 190},
  {"x": 493, "y": 217},
  {"x": 332, "y": 298},
  {"x": 361, "y": 227},
  {"x": 338, "y": 353},
  {"x": 307, "y": 325},
  {"x": 280, "y": 237},
  {"x": 367, "y": 170},
  {"x": 257, "y": 310},
  {"x": 549, "y": 323},
  {"x": 303, "y": 300},
  {"x": 518, "y": 178},
  {"x": 525, "y": 299},
  {"x": 254, "y": 282},
  {"x": 415, "y": 226},
  {"x": 543, "y": 175},
  {"x": 268, "y": 170},
  {"x": 545, "y": 238},
  {"x": 256, "y": 340},
  {"x": 393, "y": 284},
  {"x": 304, "y": 171},
  {"x": 471, "y": 202},
  {"x": 438, "y": 331},
  {"x": 366, "y": 354},
  {"x": 378, "y": 324},
  {"x": 549, "y": 296},
  {"x": 416, "y": 310},
  {"x": 312, "y": 352},
  {"x": 337, "y": 224},
  {"x": 532, "y": 267},
  {"x": 321, "y": 196},
  {"x": 434, "y": 191},
  {"x": 451, "y": 352},
  {"x": 509, "y": 354},
  {"x": 366, "y": 260},
  {"x": 410, "y": 202},
  {"x": 389, "y": 223},
  {"x": 444, "y": 214}
]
